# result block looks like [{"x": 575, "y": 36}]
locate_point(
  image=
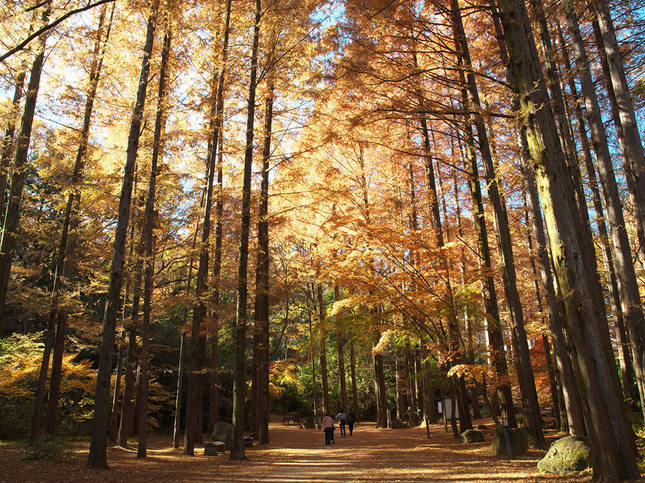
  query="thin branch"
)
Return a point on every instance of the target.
[{"x": 49, "y": 26}]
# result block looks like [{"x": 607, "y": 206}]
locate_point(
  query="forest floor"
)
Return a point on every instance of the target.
[{"x": 296, "y": 455}]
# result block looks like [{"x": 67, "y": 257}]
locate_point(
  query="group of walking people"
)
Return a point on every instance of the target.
[{"x": 343, "y": 420}]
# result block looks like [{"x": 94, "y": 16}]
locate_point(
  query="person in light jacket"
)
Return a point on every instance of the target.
[
  {"x": 341, "y": 417},
  {"x": 328, "y": 427}
]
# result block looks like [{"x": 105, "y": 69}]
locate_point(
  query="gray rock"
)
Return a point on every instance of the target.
[
  {"x": 472, "y": 436},
  {"x": 566, "y": 456},
  {"x": 223, "y": 432},
  {"x": 519, "y": 442},
  {"x": 482, "y": 426}
]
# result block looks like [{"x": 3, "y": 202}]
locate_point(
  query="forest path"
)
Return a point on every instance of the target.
[{"x": 297, "y": 455}]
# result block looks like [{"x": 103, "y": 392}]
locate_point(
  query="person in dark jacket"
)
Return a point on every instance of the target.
[{"x": 351, "y": 419}]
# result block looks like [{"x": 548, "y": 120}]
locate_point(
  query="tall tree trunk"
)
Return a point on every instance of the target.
[
  {"x": 128, "y": 408},
  {"x": 453, "y": 328},
  {"x": 314, "y": 392},
  {"x": 573, "y": 403},
  {"x": 147, "y": 235},
  {"x": 399, "y": 377},
  {"x": 324, "y": 385},
  {"x": 379, "y": 390},
  {"x": 621, "y": 335},
  {"x": 538, "y": 295},
  {"x": 241, "y": 319},
  {"x": 98, "y": 444},
  {"x": 612, "y": 444},
  {"x": 19, "y": 166},
  {"x": 219, "y": 233},
  {"x": 632, "y": 146},
  {"x": 621, "y": 251},
  {"x": 352, "y": 370},
  {"x": 340, "y": 344},
  {"x": 262, "y": 281},
  {"x": 70, "y": 221},
  {"x": 504, "y": 242},
  {"x": 195, "y": 381},
  {"x": 180, "y": 373},
  {"x": 409, "y": 364},
  {"x": 489, "y": 294}
]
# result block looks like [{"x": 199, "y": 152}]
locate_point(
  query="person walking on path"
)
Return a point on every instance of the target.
[
  {"x": 350, "y": 421},
  {"x": 341, "y": 418},
  {"x": 328, "y": 427}
]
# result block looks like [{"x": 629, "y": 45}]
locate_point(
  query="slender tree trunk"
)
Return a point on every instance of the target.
[
  {"x": 504, "y": 242},
  {"x": 453, "y": 328},
  {"x": 379, "y": 390},
  {"x": 324, "y": 385},
  {"x": 573, "y": 403},
  {"x": 399, "y": 386},
  {"x": 219, "y": 232},
  {"x": 98, "y": 443},
  {"x": 622, "y": 339},
  {"x": 621, "y": 336},
  {"x": 262, "y": 280},
  {"x": 180, "y": 374},
  {"x": 612, "y": 444},
  {"x": 352, "y": 370},
  {"x": 19, "y": 166},
  {"x": 70, "y": 221},
  {"x": 340, "y": 344},
  {"x": 314, "y": 393},
  {"x": 621, "y": 251},
  {"x": 489, "y": 294},
  {"x": 409, "y": 364},
  {"x": 147, "y": 235},
  {"x": 241, "y": 319},
  {"x": 632, "y": 146},
  {"x": 116, "y": 395},
  {"x": 195, "y": 381},
  {"x": 538, "y": 295}
]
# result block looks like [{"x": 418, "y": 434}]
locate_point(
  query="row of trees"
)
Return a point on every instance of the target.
[{"x": 376, "y": 121}]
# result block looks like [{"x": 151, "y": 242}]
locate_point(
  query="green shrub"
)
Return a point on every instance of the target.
[{"x": 47, "y": 448}]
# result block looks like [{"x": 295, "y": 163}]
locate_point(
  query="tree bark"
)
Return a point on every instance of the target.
[
  {"x": 340, "y": 344},
  {"x": 147, "y": 234},
  {"x": 379, "y": 390},
  {"x": 262, "y": 281},
  {"x": 504, "y": 242},
  {"x": 66, "y": 246},
  {"x": 352, "y": 370},
  {"x": 324, "y": 385},
  {"x": 98, "y": 444},
  {"x": 574, "y": 269},
  {"x": 628, "y": 369},
  {"x": 241, "y": 319},
  {"x": 632, "y": 146}
]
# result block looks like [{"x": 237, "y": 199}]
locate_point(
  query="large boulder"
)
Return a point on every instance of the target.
[
  {"x": 223, "y": 432},
  {"x": 472, "y": 436},
  {"x": 519, "y": 442},
  {"x": 566, "y": 456}
]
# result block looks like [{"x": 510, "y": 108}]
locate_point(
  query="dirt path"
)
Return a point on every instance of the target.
[{"x": 296, "y": 455}]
